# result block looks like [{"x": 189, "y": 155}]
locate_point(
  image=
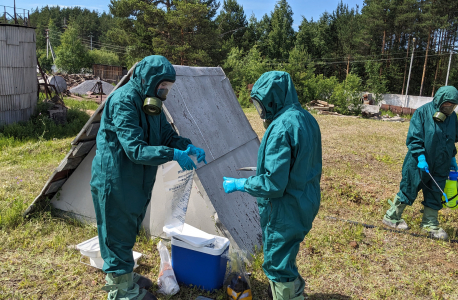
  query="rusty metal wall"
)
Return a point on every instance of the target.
[{"x": 18, "y": 73}]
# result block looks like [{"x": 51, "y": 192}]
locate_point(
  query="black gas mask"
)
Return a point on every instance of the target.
[{"x": 153, "y": 105}]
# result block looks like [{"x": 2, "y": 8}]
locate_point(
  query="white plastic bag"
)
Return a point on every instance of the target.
[
  {"x": 178, "y": 185},
  {"x": 167, "y": 281}
]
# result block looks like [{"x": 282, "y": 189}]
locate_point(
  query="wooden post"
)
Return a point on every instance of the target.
[
  {"x": 426, "y": 62},
  {"x": 405, "y": 67}
]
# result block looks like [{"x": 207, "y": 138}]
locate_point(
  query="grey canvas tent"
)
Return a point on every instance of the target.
[{"x": 202, "y": 107}]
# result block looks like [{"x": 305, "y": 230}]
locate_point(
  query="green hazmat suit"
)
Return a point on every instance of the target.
[
  {"x": 287, "y": 184},
  {"x": 435, "y": 140},
  {"x": 130, "y": 147}
]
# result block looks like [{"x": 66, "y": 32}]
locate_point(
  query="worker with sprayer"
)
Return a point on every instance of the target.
[
  {"x": 287, "y": 181},
  {"x": 133, "y": 140},
  {"x": 431, "y": 139}
]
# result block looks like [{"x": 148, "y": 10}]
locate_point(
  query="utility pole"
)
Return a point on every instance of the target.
[
  {"x": 91, "y": 39},
  {"x": 449, "y": 63},
  {"x": 15, "y": 18},
  {"x": 410, "y": 71},
  {"x": 47, "y": 43}
]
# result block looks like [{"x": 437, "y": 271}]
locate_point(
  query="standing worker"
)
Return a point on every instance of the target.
[
  {"x": 133, "y": 140},
  {"x": 287, "y": 181},
  {"x": 431, "y": 139}
]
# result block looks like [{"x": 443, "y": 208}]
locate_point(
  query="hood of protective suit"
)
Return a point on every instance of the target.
[
  {"x": 276, "y": 91},
  {"x": 149, "y": 72},
  {"x": 445, "y": 94}
]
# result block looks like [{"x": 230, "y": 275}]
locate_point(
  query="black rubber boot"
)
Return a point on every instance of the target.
[{"x": 142, "y": 281}]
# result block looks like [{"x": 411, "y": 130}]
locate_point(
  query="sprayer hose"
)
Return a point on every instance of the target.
[{"x": 442, "y": 202}]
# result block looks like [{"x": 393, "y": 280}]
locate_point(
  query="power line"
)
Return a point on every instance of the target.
[
  {"x": 94, "y": 42},
  {"x": 360, "y": 61},
  {"x": 104, "y": 44},
  {"x": 110, "y": 50},
  {"x": 390, "y": 56},
  {"x": 106, "y": 48},
  {"x": 122, "y": 50}
]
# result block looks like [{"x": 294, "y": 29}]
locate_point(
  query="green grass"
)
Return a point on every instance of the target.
[
  {"x": 362, "y": 161},
  {"x": 41, "y": 127},
  {"x": 80, "y": 104}
]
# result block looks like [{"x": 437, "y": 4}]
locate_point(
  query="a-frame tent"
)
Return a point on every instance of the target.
[{"x": 201, "y": 106}]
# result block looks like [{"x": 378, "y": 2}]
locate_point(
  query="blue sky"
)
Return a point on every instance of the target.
[{"x": 307, "y": 8}]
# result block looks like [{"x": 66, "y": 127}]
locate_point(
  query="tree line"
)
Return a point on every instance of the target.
[{"x": 344, "y": 50}]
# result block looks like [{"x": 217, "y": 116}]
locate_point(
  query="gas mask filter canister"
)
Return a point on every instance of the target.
[
  {"x": 153, "y": 105},
  {"x": 439, "y": 117}
]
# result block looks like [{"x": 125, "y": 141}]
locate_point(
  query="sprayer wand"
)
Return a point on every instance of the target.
[{"x": 445, "y": 195}]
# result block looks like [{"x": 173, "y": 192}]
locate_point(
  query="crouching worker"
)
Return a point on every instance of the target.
[
  {"x": 431, "y": 140},
  {"x": 287, "y": 184},
  {"x": 133, "y": 140}
]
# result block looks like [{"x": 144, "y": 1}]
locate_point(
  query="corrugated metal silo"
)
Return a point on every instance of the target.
[{"x": 18, "y": 73}]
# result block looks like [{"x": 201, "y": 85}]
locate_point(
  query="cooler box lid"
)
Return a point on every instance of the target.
[
  {"x": 191, "y": 235},
  {"x": 217, "y": 248}
]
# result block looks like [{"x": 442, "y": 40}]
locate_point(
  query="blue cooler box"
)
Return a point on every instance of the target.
[{"x": 203, "y": 267}]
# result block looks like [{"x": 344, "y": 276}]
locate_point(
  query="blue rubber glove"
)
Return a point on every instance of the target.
[
  {"x": 200, "y": 153},
  {"x": 453, "y": 165},
  {"x": 233, "y": 184},
  {"x": 183, "y": 159},
  {"x": 422, "y": 164}
]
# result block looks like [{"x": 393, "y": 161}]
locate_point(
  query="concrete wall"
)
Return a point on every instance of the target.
[{"x": 400, "y": 100}]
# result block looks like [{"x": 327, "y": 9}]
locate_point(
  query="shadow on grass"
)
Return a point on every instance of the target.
[{"x": 188, "y": 292}]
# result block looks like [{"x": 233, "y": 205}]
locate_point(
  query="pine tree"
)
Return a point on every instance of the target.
[
  {"x": 184, "y": 35},
  {"x": 251, "y": 34},
  {"x": 281, "y": 36},
  {"x": 348, "y": 27},
  {"x": 263, "y": 29},
  {"x": 232, "y": 25}
]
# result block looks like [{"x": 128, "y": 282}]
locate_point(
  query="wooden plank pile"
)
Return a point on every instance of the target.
[{"x": 321, "y": 105}]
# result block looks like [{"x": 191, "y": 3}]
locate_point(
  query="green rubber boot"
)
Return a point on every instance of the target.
[
  {"x": 393, "y": 215},
  {"x": 430, "y": 224},
  {"x": 122, "y": 287},
  {"x": 288, "y": 290}
]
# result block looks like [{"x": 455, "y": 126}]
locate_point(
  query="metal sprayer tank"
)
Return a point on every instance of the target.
[{"x": 18, "y": 73}]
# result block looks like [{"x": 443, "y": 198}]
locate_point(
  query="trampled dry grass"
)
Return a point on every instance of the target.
[{"x": 362, "y": 162}]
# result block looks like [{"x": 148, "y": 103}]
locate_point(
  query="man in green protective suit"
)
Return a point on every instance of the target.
[
  {"x": 133, "y": 140},
  {"x": 287, "y": 181},
  {"x": 431, "y": 139}
]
